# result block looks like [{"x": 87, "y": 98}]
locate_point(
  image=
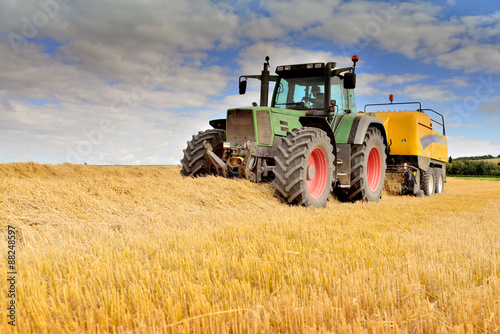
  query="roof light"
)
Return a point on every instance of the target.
[
  {"x": 355, "y": 59},
  {"x": 287, "y": 68},
  {"x": 391, "y": 97},
  {"x": 310, "y": 66},
  {"x": 318, "y": 65},
  {"x": 280, "y": 68}
]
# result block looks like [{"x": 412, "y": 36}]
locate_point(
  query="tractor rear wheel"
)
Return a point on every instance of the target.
[
  {"x": 367, "y": 169},
  {"x": 304, "y": 168},
  {"x": 427, "y": 181},
  {"x": 196, "y": 161},
  {"x": 439, "y": 184}
]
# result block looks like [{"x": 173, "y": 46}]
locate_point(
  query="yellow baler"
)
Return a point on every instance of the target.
[{"x": 415, "y": 147}]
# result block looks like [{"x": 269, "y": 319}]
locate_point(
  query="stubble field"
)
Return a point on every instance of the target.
[{"x": 143, "y": 250}]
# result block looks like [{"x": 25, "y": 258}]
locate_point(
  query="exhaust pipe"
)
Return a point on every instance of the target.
[{"x": 235, "y": 162}]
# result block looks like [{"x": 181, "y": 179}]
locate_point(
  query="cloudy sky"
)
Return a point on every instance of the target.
[{"x": 129, "y": 82}]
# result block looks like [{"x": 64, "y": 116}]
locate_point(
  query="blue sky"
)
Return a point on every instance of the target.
[{"x": 129, "y": 82}]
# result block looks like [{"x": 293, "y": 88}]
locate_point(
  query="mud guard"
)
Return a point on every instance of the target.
[
  {"x": 359, "y": 127},
  {"x": 320, "y": 123},
  {"x": 218, "y": 123}
]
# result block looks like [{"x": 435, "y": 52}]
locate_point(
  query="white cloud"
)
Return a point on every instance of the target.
[
  {"x": 252, "y": 57},
  {"x": 472, "y": 57},
  {"x": 264, "y": 28},
  {"x": 461, "y": 146},
  {"x": 402, "y": 86},
  {"x": 5, "y": 104},
  {"x": 369, "y": 84},
  {"x": 463, "y": 125},
  {"x": 132, "y": 64},
  {"x": 233, "y": 101},
  {"x": 452, "y": 82},
  {"x": 414, "y": 29},
  {"x": 483, "y": 26},
  {"x": 429, "y": 92},
  {"x": 298, "y": 14},
  {"x": 493, "y": 120},
  {"x": 89, "y": 55},
  {"x": 70, "y": 132},
  {"x": 490, "y": 108}
]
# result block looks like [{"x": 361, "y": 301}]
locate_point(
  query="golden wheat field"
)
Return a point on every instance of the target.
[{"x": 143, "y": 250}]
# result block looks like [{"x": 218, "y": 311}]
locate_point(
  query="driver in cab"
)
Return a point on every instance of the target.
[{"x": 317, "y": 98}]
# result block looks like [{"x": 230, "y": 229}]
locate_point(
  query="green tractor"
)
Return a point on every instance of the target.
[{"x": 309, "y": 142}]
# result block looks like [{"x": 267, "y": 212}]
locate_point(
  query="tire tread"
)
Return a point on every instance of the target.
[
  {"x": 290, "y": 175},
  {"x": 195, "y": 161}
]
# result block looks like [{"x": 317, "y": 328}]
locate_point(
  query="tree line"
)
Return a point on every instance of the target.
[
  {"x": 478, "y": 157},
  {"x": 473, "y": 166}
]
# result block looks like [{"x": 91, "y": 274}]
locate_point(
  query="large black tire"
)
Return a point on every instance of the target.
[
  {"x": 196, "y": 161},
  {"x": 368, "y": 167},
  {"x": 304, "y": 168},
  {"x": 428, "y": 181},
  {"x": 439, "y": 181}
]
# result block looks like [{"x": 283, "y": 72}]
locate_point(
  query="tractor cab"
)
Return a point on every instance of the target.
[
  {"x": 321, "y": 89},
  {"x": 318, "y": 88}
]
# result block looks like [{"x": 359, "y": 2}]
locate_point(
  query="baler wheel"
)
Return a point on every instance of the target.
[
  {"x": 427, "y": 181},
  {"x": 439, "y": 185}
]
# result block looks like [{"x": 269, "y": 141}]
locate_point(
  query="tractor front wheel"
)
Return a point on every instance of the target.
[
  {"x": 304, "y": 168},
  {"x": 196, "y": 161}
]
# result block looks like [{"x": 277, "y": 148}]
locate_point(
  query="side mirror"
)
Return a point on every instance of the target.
[
  {"x": 243, "y": 87},
  {"x": 349, "y": 80}
]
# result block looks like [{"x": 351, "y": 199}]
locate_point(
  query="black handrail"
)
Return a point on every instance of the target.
[
  {"x": 442, "y": 120},
  {"x": 419, "y": 109},
  {"x": 391, "y": 104}
]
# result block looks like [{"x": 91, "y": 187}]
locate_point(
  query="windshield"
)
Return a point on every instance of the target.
[
  {"x": 309, "y": 93},
  {"x": 300, "y": 93}
]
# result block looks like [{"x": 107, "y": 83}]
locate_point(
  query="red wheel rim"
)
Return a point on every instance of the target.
[
  {"x": 316, "y": 186},
  {"x": 374, "y": 169}
]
